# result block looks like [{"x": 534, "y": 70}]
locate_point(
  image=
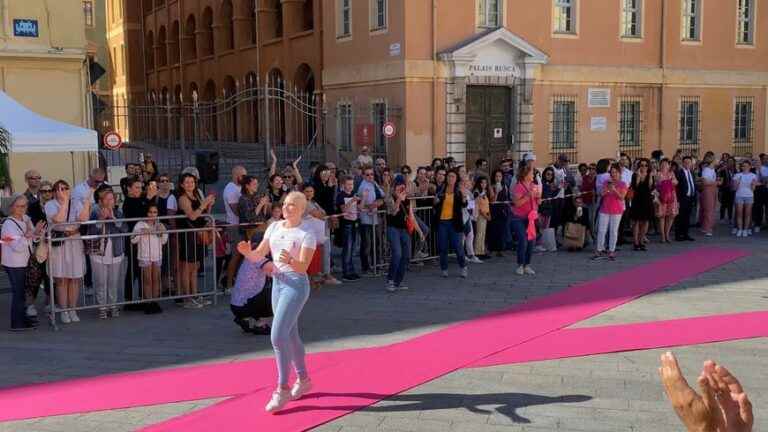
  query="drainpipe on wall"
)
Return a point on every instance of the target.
[
  {"x": 662, "y": 65},
  {"x": 434, "y": 77}
]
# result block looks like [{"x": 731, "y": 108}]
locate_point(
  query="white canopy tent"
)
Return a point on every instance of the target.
[{"x": 33, "y": 133}]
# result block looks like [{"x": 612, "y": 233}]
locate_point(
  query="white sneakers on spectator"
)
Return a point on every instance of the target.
[
  {"x": 749, "y": 233},
  {"x": 524, "y": 270},
  {"x": 391, "y": 286},
  {"x": 73, "y": 316},
  {"x": 529, "y": 271},
  {"x": 300, "y": 388},
  {"x": 540, "y": 249},
  {"x": 463, "y": 272},
  {"x": 444, "y": 273},
  {"x": 65, "y": 318},
  {"x": 31, "y": 311},
  {"x": 735, "y": 231},
  {"x": 475, "y": 260},
  {"x": 279, "y": 398}
]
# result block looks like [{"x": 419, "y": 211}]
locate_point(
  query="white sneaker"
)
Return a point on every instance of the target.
[
  {"x": 391, "y": 286},
  {"x": 749, "y": 233},
  {"x": 300, "y": 388},
  {"x": 463, "y": 273},
  {"x": 31, "y": 311},
  {"x": 402, "y": 287},
  {"x": 475, "y": 260},
  {"x": 529, "y": 271},
  {"x": 520, "y": 271},
  {"x": 444, "y": 273},
  {"x": 735, "y": 231},
  {"x": 540, "y": 249},
  {"x": 73, "y": 316},
  {"x": 277, "y": 402},
  {"x": 739, "y": 233},
  {"x": 65, "y": 317}
]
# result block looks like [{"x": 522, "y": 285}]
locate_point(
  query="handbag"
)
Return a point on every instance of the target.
[
  {"x": 60, "y": 234},
  {"x": 204, "y": 238},
  {"x": 41, "y": 251},
  {"x": 96, "y": 246},
  {"x": 575, "y": 234}
]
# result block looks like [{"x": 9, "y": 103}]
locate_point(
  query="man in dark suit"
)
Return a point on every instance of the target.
[{"x": 686, "y": 196}]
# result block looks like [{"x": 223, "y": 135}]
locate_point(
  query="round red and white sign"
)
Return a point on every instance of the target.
[
  {"x": 113, "y": 141},
  {"x": 389, "y": 129}
]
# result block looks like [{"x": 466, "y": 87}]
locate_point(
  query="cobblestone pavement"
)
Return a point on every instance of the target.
[{"x": 617, "y": 392}]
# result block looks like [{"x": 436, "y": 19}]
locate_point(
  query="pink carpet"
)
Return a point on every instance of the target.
[
  {"x": 402, "y": 366},
  {"x": 633, "y": 337}
]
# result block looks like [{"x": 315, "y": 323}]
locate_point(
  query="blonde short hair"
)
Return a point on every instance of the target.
[{"x": 298, "y": 198}]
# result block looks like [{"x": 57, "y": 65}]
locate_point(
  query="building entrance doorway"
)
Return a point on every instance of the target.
[{"x": 489, "y": 125}]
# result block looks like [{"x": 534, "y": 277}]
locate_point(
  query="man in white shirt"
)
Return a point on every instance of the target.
[
  {"x": 232, "y": 192},
  {"x": 85, "y": 189},
  {"x": 365, "y": 159}
]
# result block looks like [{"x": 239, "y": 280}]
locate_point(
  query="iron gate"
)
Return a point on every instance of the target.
[{"x": 242, "y": 127}]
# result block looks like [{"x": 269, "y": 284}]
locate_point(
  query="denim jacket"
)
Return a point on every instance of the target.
[{"x": 118, "y": 243}]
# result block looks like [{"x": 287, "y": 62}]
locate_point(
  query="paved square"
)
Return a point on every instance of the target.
[{"x": 617, "y": 392}]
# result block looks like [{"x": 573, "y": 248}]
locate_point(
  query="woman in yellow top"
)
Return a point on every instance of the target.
[{"x": 450, "y": 199}]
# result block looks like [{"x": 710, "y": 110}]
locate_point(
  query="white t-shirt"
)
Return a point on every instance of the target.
[
  {"x": 743, "y": 184},
  {"x": 626, "y": 175},
  {"x": 763, "y": 170},
  {"x": 709, "y": 174},
  {"x": 172, "y": 204},
  {"x": 290, "y": 239},
  {"x": 232, "y": 194}
]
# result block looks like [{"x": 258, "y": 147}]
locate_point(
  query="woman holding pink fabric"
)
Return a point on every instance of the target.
[{"x": 525, "y": 197}]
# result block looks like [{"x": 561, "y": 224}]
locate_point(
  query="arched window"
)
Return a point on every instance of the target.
[
  {"x": 277, "y": 106},
  {"x": 252, "y": 106},
  {"x": 208, "y": 47},
  {"x": 149, "y": 50},
  {"x": 252, "y": 23},
  {"x": 304, "y": 82},
  {"x": 227, "y": 25},
  {"x": 230, "y": 119},
  {"x": 309, "y": 15},
  {"x": 162, "y": 50},
  {"x": 190, "y": 39},
  {"x": 174, "y": 42},
  {"x": 209, "y": 113}
]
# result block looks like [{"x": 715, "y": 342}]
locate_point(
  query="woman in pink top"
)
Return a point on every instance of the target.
[
  {"x": 612, "y": 208},
  {"x": 667, "y": 206},
  {"x": 525, "y": 198}
]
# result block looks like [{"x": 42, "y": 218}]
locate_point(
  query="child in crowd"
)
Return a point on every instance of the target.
[
  {"x": 150, "y": 235},
  {"x": 346, "y": 203},
  {"x": 744, "y": 184},
  {"x": 276, "y": 215},
  {"x": 251, "y": 302}
]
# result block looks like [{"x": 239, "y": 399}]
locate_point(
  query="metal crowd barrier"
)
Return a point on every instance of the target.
[
  {"x": 110, "y": 284},
  {"x": 421, "y": 251}
]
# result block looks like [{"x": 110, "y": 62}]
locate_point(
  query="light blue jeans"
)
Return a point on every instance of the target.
[{"x": 290, "y": 292}]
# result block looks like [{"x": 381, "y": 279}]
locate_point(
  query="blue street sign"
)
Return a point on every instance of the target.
[{"x": 25, "y": 28}]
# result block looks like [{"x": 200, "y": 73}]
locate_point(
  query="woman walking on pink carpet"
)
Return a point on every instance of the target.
[{"x": 292, "y": 245}]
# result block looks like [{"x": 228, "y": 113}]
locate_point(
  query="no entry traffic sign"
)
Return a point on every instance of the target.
[
  {"x": 389, "y": 129},
  {"x": 113, "y": 141}
]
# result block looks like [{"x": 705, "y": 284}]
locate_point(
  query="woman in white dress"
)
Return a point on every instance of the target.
[
  {"x": 67, "y": 257},
  {"x": 292, "y": 244}
]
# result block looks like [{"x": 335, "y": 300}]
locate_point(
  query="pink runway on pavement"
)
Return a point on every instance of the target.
[
  {"x": 588, "y": 341},
  {"x": 361, "y": 379}
]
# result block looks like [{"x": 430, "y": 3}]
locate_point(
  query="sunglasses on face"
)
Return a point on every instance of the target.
[
  {"x": 46, "y": 190},
  {"x": 34, "y": 178},
  {"x": 164, "y": 181}
]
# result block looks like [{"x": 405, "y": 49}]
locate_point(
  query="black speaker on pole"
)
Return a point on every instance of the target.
[{"x": 207, "y": 162}]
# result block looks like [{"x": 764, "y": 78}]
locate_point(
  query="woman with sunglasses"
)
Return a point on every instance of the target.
[
  {"x": 36, "y": 213},
  {"x": 18, "y": 233},
  {"x": 67, "y": 258},
  {"x": 641, "y": 212}
]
